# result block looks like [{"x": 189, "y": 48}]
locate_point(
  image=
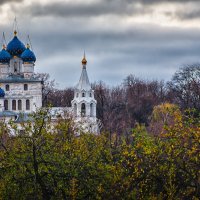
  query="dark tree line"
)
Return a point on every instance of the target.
[{"x": 121, "y": 108}]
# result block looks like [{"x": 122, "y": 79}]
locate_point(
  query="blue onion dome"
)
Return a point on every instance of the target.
[
  {"x": 4, "y": 55},
  {"x": 28, "y": 55},
  {"x": 15, "y": 46},
  {"x": 2, "y": 93}
]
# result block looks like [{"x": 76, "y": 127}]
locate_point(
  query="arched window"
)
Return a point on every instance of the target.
[
  {"x": 6, "y": 104},
  {"x": 83, "y": 94},
  {"x": 90, "y": 94},
  {"x": 77, "y": 95},
  {"x": 19, "y": 104},
  {"x": 15, "y": 67},
  {"x": 13, "y": 104},
  {"x": 27, "y": 104},
  {"x": 83, "y": 110},
  {"x": 7, "y": 87},
  {"x": 75, "y": 110},
  {"x": 91, "y": 110},
  {"x": 25, "y": 86}
]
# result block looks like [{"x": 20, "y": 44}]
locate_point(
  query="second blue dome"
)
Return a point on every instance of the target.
[{"x": 28, "y": 55}]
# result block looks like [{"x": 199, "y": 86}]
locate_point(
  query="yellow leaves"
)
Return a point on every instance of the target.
[
  {"x": 94, "y": 167},
  {"x": 165, "y": 111},
  {"x": 100, "y": 189}
]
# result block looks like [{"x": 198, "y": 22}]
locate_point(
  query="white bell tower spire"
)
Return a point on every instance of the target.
[{"x": 84, "y": 103}]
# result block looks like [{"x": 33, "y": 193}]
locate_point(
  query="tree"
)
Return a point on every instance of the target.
[
  {"x": 163, "y": 115},
  {"x": 185, "y": 87},
  {"x": 141, "y": 97},
  {"x": 46, "y": 160}
]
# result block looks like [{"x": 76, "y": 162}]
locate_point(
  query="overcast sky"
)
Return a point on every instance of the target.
[{"x": 150, "y": 39}]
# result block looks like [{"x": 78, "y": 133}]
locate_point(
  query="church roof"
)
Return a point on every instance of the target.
[
  {"x": 15, "y": 46},
  {"x": 28, "y": 55},
  {"x": 4, "y": 55},
  {"x": 7, "y": 113},
  {"x": 84, "y": 83},
  {"x": 19, "y": 79}
]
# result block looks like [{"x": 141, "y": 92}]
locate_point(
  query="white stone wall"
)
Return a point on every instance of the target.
[
  {"x": 28, "y": 69},
  {"x": 4, "y": 70},
  {"x": 16, "y": 63},
  {"x": 17, "y": 92}
]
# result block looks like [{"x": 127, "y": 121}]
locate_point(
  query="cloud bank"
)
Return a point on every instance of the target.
[{"x": 148, "y": 38}]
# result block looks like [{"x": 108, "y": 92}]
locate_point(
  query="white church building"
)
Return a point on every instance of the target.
[{"x": 21, "y": 89}]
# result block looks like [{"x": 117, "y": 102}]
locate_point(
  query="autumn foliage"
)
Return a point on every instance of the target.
[{"x": 51, "y": 162}]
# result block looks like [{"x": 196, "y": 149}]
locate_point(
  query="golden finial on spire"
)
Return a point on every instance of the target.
[
  {"x": 15, "y": 33},
  {"x": 28, "y": 46},
  {"x": 84, "y": 61}
]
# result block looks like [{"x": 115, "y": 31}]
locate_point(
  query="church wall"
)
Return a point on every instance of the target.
[
  {"x": 4, "y": 70},
  {"x": 17, "y": 92}
]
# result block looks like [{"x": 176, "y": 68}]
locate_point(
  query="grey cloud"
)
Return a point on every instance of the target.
[
  {"x": 119, "y": 8},
  {"x": 188, "y": 14},
  {"x": 163, "y": 1},
  {"x": 146, "y": 51},
  {"x": 109, "y": 7},
  {"x": 9, "y": 1},
  {"x": 113, "y": 56},
  {"x": 86, "y": 10}
]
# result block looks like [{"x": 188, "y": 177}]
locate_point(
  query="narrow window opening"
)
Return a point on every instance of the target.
[
  {"x": 27, "y": 104},
  {"x": 19, "y": 104},
  {"x": 6, "y": 104},
  {"x": 91, "y": 110},
  {"x": 15, "y": 67},
  {"x": 7, "y": 87},
  {"x": 83, "y": 109},
  {"x": 13, "y": 104},
  {"x": 25, "y": 86}
]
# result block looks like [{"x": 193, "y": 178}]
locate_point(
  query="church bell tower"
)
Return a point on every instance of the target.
[{"x": 84, "y": 103}]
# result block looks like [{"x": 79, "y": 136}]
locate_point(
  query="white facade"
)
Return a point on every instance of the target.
[
  {"x": 23, "y": 96},
  {"x": 23, "y": 91}
]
